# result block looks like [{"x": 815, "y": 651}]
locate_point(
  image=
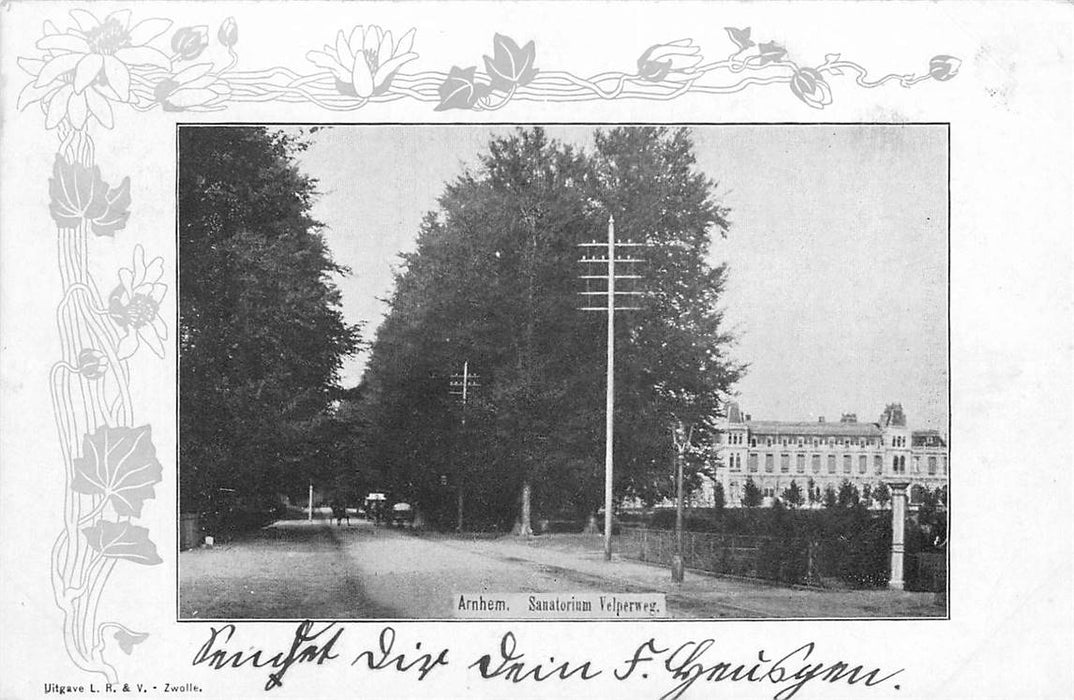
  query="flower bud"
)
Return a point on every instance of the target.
[
  {"x": 944, "y": 67},
  {"x": 92, "y": 364},
  {"x": 674, "y": 61},
  {"x": 229, "y": 32},
  {"x": 809, "y": 86},
  {"x": 189, "y": 42}
]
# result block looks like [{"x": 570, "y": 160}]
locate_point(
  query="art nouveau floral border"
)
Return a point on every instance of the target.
[{"x": 89, "y": 72}]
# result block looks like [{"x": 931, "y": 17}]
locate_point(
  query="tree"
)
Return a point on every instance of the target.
[
  {"x": 751, "y": 495},
  {"x": 261, "y": 336},
  {"x": 813, "y": 492},
  {"x": 848, "y": 494},
  {"x": 882, "y": 494},
  {"x": 830, "y": 499},
  {"x": 792, "y": 495},
  {"x": 494, "y": 280},
  {"x": 719, "y": 501},
  {"x": 867, "y": 495}
]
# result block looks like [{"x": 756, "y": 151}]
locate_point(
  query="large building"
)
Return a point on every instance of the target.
[{"x": 824, "y": 453}]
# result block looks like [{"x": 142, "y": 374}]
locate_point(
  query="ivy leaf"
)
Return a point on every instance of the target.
[
  {"x": 832, "y": 58},
  {"x": 512, "y": 66},
  {"x": 123, "y": 541},
  {"x": 76, "y": 192},
  {"x": 116, "y": 210},
  {"x": 127, "y": 640},
  {"x": 771, "y": 52},
  {"x": 741, "y": 37},
  {"x": 460, "y": 90},
  {"x": 121, "y": 464}
]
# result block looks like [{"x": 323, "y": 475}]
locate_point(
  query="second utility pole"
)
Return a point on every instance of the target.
[
  {"x": 609, "y": 400},
  {"x": 610, "y": 308}
]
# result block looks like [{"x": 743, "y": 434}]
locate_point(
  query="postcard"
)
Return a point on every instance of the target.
[{"x": 535, "y": 349}]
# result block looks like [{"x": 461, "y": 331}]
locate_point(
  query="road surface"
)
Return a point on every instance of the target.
[{"x": 299, "y": 569}]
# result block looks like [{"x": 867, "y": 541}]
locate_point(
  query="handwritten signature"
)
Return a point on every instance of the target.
[{"x": 685, "y": 664}]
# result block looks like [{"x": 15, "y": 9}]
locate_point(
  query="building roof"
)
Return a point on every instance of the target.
[
  {"x": 773, "y": 427},
  {"x": 927, "y": 438}
]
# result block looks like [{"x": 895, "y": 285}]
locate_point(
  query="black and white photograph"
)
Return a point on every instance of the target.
[{"x": 563, "y": 371}]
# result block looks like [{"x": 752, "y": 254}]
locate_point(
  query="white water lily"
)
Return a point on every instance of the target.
[
  {"x": 62, "y": 101},
  {"x": 135, "y": 306},
  {"x": 102, "y": 50},
  {"x": 365, "y": 62}
]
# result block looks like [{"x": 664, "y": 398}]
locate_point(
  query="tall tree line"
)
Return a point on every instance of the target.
[
  {"x": 261, "y": 336},
  {"x": 494, "y": 282}
]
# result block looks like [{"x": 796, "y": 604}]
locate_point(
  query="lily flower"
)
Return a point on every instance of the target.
[
  {"x": 135, "y": 306},
  {"x": 365, "y": 62},
  {"x": 102, "y": 50},
  {"x": 61, "y": 100}
]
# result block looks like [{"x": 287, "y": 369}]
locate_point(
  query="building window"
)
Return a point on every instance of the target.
[
  {"x": 899, "y": 464},
  {"x": 816, "y": 464},
  {"x": 751, "y": 461},
  {"x": 932, "y": 465},
  {"x": 785, "y": 463},
  {"x": 846, "y": 464},
  {"x": 800, "y": 465},
  {"x": 917, "y": 465},
  {"x": 768, "y": 442},
  {"x": 831, "y": 464},
  {"x": 878, "y": 464},
  {"x": 944, "y": 463},
  {"x": 753, "y": 442},
  {"x": 769, "y": 462},
  {"x": 735, "y": 464},
  {"x": 863, "y": 464}
]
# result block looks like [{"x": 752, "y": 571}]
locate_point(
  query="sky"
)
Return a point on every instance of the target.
[{"x": 837, "y": 252}]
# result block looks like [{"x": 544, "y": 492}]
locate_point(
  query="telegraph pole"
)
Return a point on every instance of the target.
[
  {"x": 460, "y": 385},
  {"x": 610, "y": 308}
]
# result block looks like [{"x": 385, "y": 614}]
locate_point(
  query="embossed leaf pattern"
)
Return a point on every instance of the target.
[
  {"x": 460, "y": 90},
  {"x": 127, "y": 639},
  {"x": 510, "y": 66},
  {"x": 78, "y": 193},
  {"x": 121, "y": 464},
  {"x": 116, "y": 210},
  {"x": 771, "y": 52},
  {"x": 75, "y": 192},
  {"x": 122, "y": 541},
  {"x": 741, "y": 37}
]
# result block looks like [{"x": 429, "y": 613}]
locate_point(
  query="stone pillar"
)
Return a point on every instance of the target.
[{"x": 898, "y": 531}]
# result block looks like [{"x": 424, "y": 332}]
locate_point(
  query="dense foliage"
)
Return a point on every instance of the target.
[
  {"x": 494, "y": 282},
  {"x": 261, "y": 337}
]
